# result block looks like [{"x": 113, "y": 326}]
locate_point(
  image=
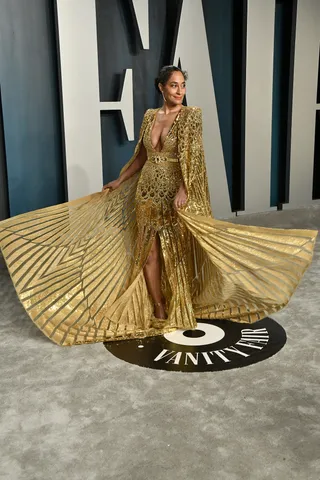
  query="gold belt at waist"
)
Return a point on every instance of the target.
[{"x": 159, "y": 158}]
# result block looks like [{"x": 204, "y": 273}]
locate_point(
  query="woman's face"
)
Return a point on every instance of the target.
[{"x": 175, "y": 89}]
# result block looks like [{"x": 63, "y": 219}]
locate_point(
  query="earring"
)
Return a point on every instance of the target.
[{"x": 164, "y": 98}]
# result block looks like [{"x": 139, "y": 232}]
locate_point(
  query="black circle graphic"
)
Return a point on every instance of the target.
[
  {"x": 194, "y": 333},
  {"x": 215, "y": 345}
]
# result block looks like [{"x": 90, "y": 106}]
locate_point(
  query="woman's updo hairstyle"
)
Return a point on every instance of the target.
[{"x": 165, "y": 74}]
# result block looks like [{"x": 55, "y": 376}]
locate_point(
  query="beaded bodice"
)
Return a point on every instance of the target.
[
  {"x": 170, "y": 145},
  {"x": 160, "y": 180}
]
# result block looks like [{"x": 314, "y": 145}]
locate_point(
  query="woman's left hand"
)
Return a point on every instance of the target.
[{"x": 180, "y": 198}]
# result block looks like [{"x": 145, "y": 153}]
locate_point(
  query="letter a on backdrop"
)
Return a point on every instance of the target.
[{"x": 193, "y": 52}]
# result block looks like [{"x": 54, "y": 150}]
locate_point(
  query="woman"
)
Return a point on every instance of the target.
[
  {"x": 162, "y": 176},
  {"x": 145, "y": 256}
]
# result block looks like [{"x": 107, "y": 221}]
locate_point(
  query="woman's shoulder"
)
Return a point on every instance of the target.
[
  {"x": 193, "y": 114},
  {"x": 193, "y": 110},
  {"x": 149, "y": 111},
  {"x": 148, "y": 114}
]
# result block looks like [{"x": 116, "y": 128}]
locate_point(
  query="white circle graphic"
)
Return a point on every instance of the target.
[{"x": 213, "y": 334}]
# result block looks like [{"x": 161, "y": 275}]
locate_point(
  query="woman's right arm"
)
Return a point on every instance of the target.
[{"x": 136, "y": 165}]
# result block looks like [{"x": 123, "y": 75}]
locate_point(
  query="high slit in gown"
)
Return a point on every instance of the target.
[{"x": 77, "y": 267}]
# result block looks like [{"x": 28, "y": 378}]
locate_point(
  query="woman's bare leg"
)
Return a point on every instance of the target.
[{"x": 152, "y": 275}]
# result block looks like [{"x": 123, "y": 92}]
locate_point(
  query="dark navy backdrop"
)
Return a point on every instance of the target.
[{"x": 30, "y": 103}]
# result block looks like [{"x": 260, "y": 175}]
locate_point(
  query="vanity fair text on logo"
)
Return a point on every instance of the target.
[
  {"x": 214, "y": 345},
  {"x": 250, "y": 338}
]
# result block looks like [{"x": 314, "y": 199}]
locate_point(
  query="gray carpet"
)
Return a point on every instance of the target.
[{"x": 80, "y": 413}]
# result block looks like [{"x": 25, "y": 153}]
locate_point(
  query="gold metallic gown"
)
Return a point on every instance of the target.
[{"x": 78, "y": 267}]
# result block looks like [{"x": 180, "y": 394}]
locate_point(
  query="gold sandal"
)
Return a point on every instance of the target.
[{"x": 158, "y": 322}]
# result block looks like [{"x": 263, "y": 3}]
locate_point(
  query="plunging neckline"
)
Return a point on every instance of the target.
[{"x": 169, "y": 131}]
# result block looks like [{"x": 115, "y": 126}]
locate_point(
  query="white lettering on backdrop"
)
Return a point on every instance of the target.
[{"x": 82, "y": 107}]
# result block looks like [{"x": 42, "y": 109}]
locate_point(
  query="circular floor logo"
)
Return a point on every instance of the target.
[{"x": 214, "y": 345}]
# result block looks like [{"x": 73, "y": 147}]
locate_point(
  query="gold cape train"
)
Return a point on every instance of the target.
[{"x": 77, "y": 267}]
